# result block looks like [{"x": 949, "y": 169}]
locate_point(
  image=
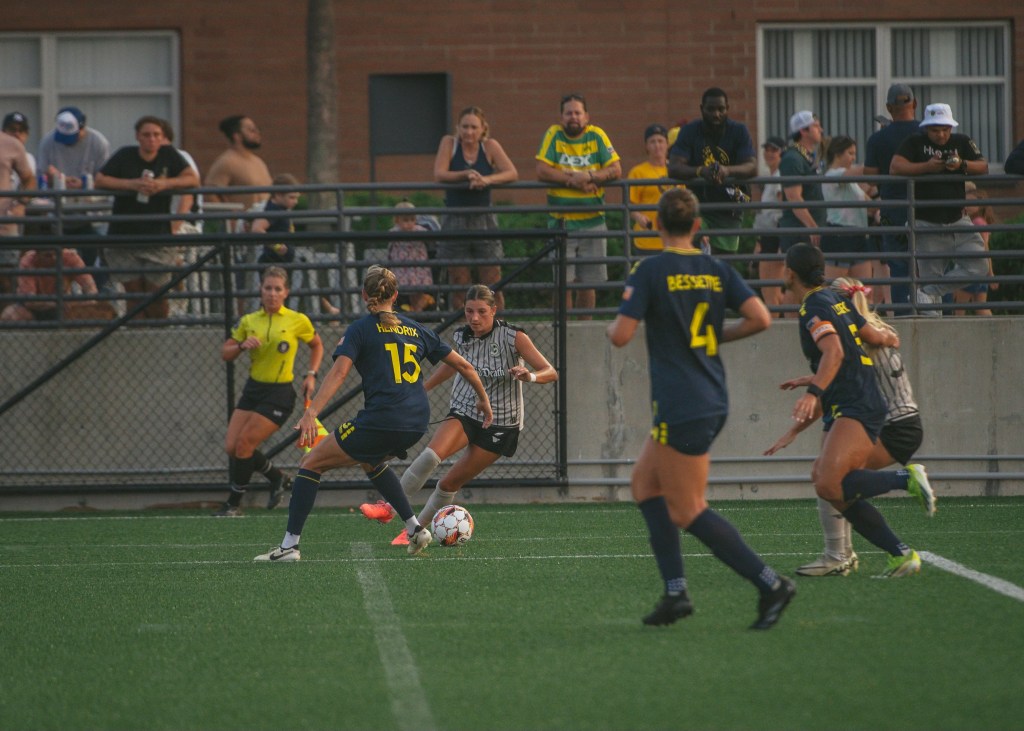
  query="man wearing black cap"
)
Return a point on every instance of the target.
[
  {"x": 714, "y": 148},
  {"x": 882, "y": 145},
  {"x": 654, "y": 167},
  {"x": 16, "y": 124}
]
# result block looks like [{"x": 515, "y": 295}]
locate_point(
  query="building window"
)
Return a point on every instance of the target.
[
  {"x": 114, "y": 78},
  {"x": 842, "y": 73}
]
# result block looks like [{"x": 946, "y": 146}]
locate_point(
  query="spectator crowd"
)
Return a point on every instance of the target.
[{"x": 713, "y": 155}]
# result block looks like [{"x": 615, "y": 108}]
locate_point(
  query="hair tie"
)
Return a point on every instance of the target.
[{"x": 851, "y": 289}]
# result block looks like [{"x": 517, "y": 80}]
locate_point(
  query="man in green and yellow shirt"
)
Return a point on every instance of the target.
[{"x": 579, "y": 158}]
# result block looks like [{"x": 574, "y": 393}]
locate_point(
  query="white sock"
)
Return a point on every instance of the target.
[
  {"x": 437, "y": 500},
  {"x": 290, "y": 540},
  {"x": 835, "y": 528},
  {"x": 411, "y": 525},
  {"x": 847, "y": 539},
  {"x": 417, "y": 474}
]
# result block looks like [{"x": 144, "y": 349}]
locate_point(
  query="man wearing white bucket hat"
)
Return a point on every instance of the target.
[{"x": 937, "y": 150}]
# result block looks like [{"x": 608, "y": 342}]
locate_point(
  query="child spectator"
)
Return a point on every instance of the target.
[
  {"x": 980, "y": 214},
  {"x": 412, "y": 280},
  {"x": 31, "y": 286},
  {"x": 283, "y": 200}
]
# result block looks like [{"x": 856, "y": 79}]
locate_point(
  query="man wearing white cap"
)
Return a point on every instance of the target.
[
  {"x": 937, "y": 150},
  {"x": 800, "y": 159}
]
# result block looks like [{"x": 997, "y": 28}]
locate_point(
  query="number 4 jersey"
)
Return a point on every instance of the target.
[
  {"x": 682, "y": 297},
  {"x": 388, "y": 359}
]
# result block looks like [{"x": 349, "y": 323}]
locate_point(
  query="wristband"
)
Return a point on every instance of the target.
[
  {"x": 533, "y": 377},
  {"x": 814, "y": 390},
  {"x": 311, "y": 373}
]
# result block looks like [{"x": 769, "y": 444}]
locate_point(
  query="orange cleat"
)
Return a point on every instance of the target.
[
  {"x": 402, "y": 539},
  {"x": 379, "y": 511}
]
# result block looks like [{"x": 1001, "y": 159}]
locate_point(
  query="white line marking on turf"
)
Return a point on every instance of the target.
[
  {"x": 989, "y": 582},
  {"x": 408, "y": 702}
]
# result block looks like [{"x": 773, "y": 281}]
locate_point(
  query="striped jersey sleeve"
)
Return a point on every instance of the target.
[{"x": 894, "y": 384}]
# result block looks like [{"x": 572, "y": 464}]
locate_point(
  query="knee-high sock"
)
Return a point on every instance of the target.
[
  {"x": 304, "y": 488},
  {"x": 390, "y": 487},
  {"x": 836, "y": 530},
  {"x": 866, "y": 520},
  {"x": 725, "y": 542},
  {"x": 664, "y": 537},
  {"x": 863, "y": 484},
  {"x": 417, "y": 474},
  {"x": 437, "y": 500},
  {"x": 264, "y": 466},
  {"x": 240, "y": 471}
]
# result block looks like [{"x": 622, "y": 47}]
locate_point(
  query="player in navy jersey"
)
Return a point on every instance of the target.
[
  {"x": 386, "y": 350},
  {"x": 844, "y": 393},
  {"x": 497, "y": 350},
  {"x": 682, "y": 296},
  {"x": 900, "y": 437}
]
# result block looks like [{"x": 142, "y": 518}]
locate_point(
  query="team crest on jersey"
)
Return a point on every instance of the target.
[
  {"x": 494, "y": 349},
  {"x": 283, "y": 346},
  {"x": 627, "y": 292}
]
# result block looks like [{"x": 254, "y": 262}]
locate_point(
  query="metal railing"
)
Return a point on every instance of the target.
[{"x": 344, "y": 227}]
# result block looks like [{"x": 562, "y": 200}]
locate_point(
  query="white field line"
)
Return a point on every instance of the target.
[
  {"x": 989, "y": 582},
  {"x": 408, "y": 702}
]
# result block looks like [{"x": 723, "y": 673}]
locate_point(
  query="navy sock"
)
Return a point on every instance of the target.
[
  {"x": 261, "y": 464},
  {"x": 725, "y": 542},
  {"x": 390, "y": 487},
  {"x": 863, "y": 484},
  {"x": 304, "y": 488},
  {"x": 866, "y": 520},
  {"x": 664, "y": 536}
]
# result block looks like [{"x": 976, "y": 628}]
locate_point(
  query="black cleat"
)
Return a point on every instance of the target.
[
  {"x": 277, "y": 490},
  {"x": 770, "y": 607},
  {"x": 668, "y": 610}
]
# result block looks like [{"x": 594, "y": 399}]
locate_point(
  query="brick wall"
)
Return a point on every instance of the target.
[{"x": 637, "y": 62}]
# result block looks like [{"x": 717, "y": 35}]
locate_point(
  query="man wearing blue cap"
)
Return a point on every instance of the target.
[{"x": 74, "y": 152}]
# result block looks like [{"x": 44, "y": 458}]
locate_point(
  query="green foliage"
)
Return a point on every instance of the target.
[{"x": 1008, "y": 241}]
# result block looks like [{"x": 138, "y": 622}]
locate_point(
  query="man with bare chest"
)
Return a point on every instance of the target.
[{"x": 239, "y": 165}]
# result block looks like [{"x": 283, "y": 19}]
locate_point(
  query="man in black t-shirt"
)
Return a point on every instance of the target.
[
  {"x": 152, "y": 170},
  {"x": 937, "y": 151}
]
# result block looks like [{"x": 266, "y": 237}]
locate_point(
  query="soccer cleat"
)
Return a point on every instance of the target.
[
  {"x": 919, "y": 487},
  {"x": 668, "y": 610},
  {"x": 770, "y": 606},
  {"x": 402, "y": 539},
  {"x": 826, "y": 566},
  {"x": 902, "y": 566},
  {"x": 379, "y": 511},
  {"x": 419, "y": 540},
  {"x": 277, "y": 490},
  {"x": 854, "y": 561},
  {"x": 227, "y": 510},
  {"x": 280, "y": 554}
]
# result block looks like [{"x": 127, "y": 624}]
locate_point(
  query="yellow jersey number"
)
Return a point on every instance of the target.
[
  {"x": 708, "y": 341},
  {"x": 408, "y": 356}
]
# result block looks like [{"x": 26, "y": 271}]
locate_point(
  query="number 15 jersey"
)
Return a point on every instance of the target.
[
  {"x": 388, "y": 359},
  {"x": 682, "y": 297}
]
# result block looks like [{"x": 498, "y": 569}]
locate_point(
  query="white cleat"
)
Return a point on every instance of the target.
[
  {"x": 280, "y": 554},
  {"x": 419, "y": 540},
  {"x": 826, "y": 566},
  {"x": 919, "y": 487}
]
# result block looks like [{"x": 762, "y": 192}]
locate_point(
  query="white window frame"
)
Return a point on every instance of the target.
[
  {"x": 883, "y": 78},
  {"x": 48, "y": 95}
]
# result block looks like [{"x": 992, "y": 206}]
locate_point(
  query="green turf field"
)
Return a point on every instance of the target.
[{"x": 160, "y": 620}]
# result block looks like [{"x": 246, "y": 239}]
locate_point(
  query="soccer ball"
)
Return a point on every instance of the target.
[{"x": 452, "y": 526}]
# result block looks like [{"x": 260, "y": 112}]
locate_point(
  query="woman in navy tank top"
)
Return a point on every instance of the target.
[{"x": 472, "y": 161}]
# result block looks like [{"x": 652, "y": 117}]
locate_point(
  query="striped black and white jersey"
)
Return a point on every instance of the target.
[
  {"x": 492, "y": 355},
  {"x": 894, "y": 384}
]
